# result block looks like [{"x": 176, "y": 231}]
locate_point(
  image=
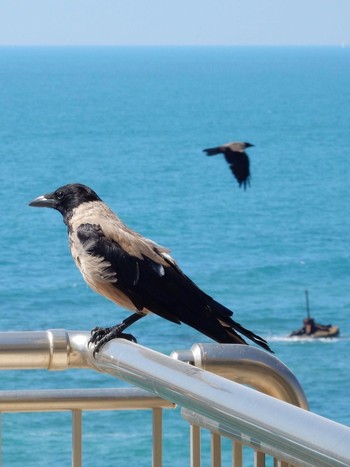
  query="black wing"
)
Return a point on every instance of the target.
[
  {"x": 164, "y": 290},
  {"x": 239, "y": 165}
]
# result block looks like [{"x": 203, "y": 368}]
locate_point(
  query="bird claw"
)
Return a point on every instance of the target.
[{"x": 100, "y": 337}]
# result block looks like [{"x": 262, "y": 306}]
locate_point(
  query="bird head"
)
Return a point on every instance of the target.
[{"x": 66, "y": 198}]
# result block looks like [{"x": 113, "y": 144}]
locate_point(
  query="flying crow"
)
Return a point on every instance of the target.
[
  {"x": 134, "y": 272},
  {"x": 237, "y": 159}
]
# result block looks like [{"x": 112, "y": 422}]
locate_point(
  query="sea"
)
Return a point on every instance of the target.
[{"x": 132, "y": 123}]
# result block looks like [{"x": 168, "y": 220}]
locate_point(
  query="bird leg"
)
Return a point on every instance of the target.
[{"x": 100, "y": 336}]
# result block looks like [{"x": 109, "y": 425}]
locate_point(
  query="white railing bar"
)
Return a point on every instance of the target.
[
  {"x": 249, "y": 366},
  {"x": 52, "y": 400},
  {"x": 55, "y": 349},
  {"x": 77, "y": 438},
  {"x": 306, "y": 436}
]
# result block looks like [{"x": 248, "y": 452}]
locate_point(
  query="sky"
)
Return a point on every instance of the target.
[{"x": 180, "y": 22}]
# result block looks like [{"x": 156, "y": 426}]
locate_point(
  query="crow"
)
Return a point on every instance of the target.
[
  {"x": 237, "y": 159},
  {"x": 135, "y": 272}
]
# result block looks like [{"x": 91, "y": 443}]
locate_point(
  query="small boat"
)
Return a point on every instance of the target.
[{"x": 312, "y": 329}]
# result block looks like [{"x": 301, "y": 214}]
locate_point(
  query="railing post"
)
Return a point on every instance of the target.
[
  {"x": 237, "y": 454},
  {"x": 76, "y": 438},
  {"x": 259, "y": 459},
  {"x": 215, "y": 450},
  {"x": 157, "y": 425},
  {"x": 195, "y": 436}
]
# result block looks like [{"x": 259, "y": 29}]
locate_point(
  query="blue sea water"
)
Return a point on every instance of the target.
[{"x": 132, "y": 123}]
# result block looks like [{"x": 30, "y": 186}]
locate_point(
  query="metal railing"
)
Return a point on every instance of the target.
[
  {"x": 288, "y": 433},
  {"x": 78, "y": 400}
]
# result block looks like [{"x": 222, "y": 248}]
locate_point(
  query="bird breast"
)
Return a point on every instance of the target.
[{"x": 97, "y": 270}]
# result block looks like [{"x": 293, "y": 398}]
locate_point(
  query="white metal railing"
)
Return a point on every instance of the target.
[
  {"x": 78, "y": 400},
  {"x": 288, "y": 433}
]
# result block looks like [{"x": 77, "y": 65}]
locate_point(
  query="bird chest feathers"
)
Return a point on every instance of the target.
[
  {"x": 98, "y": 274},
  {"x": 93, "y": 268}
]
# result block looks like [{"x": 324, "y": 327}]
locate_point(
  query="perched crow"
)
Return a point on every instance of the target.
[
  {"x": 134, "y": 272},
  {"x": 237, "y": 159}
]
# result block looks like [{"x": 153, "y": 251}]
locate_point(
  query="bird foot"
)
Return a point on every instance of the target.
[{"x": 100, "y": 336}]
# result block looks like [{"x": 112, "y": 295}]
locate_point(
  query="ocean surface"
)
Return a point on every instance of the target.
[{"x": 132, "y": 123}]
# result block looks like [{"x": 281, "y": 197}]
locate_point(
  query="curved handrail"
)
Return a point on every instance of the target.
[
  {"x": 279, "y": 428},
  {"x": 249, "y": 366}
]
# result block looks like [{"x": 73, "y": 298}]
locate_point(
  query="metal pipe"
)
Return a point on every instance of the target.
[
  {"x": 157, "y": 437},
  {"x": 195, "y": 445},
  {"x": 249, "y": 366},
  {"x": 77, "y": 439},
  {"x": 52, "y": 400},
  {"x": 58, "y": 349},
  {"x": 239, "y": 410},
  {"x": 285, "y": 430},
  {"x": 55, "y": 349}
]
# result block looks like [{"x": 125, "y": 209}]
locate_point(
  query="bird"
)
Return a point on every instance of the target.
[
  {"x": 237, "y": 159},
  {"x": 134, "y": 272}
]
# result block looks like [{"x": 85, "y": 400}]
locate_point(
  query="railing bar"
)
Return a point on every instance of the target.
[
  {"x": 259, "y": 459},
  {"x": 292, "y": 433},
  {"x": 157, "y": 426},
  {"x": 226, "y": 407},
  {"x": 215, "y": 450},
  {"x": 195, "y": 436},
  {"x": 80, "y": 399},
  {"x": 76, "y": 438},
  {"x": 237, "y": 454}
]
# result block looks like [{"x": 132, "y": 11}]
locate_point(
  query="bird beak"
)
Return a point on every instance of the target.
[{"x": 44, "y": 201}]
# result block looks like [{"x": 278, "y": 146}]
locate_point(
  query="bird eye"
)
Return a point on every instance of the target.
[{"x": 59, "y": 194}]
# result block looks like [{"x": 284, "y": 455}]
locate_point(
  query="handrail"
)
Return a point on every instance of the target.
[
  {"x": 53, "y": 400},
  {"x": 249, "y": 366},
  {"x": 280, "y": 428},
  {"x": 58, "y": 349},
  {"x": 55, "y": 349}
]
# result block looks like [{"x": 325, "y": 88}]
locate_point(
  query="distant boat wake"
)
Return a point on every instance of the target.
[{"x": 328, "y": 340}]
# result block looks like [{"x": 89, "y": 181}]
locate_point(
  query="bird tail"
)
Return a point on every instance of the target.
[
  {"x": 232, "y": 328},
  {"x": 212, "y": 151}
]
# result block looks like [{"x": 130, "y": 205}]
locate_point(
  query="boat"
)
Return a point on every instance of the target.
[{"x": 311, "y": 329}]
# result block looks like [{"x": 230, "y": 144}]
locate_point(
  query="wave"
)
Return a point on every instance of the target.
[{"x": 327, "y": 340}]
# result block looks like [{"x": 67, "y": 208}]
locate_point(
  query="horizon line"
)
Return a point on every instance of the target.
[{"x": 340, "y": 45}]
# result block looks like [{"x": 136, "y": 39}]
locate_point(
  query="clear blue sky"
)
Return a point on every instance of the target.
[{"x": 174, "y": 22}]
